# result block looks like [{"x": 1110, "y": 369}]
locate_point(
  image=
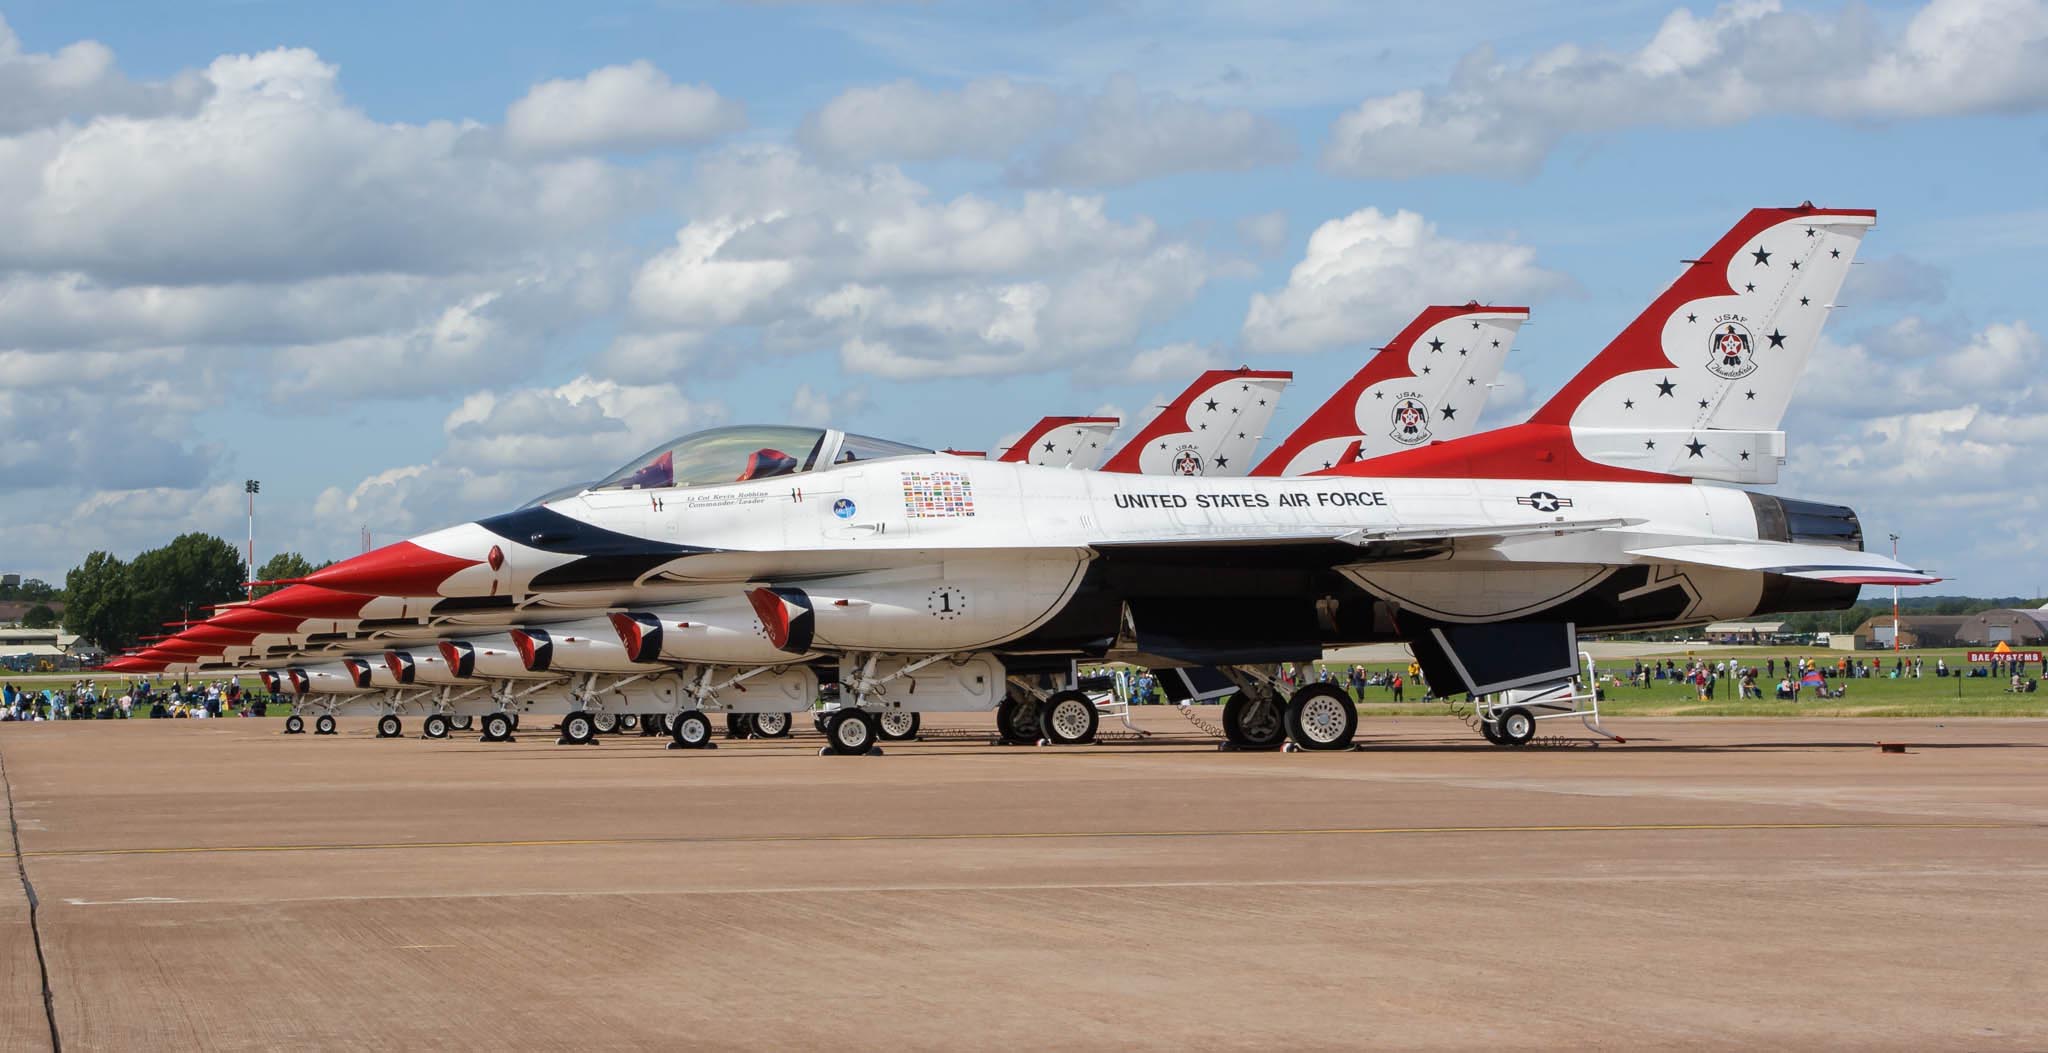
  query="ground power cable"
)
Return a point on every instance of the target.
[{"x": 35, "y": 931}]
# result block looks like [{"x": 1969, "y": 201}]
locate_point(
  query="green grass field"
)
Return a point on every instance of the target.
[{"x": 1926, "y": 697}]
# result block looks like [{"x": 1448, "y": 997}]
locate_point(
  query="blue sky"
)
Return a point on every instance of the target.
[{"x": 412, "y": 263}]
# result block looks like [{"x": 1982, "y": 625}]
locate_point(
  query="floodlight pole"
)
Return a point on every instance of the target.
[
  {"x": 250, "y": 486},
  {"x": 1895, "y": 598}
]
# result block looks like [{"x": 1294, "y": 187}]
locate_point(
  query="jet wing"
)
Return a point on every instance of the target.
[
  {"x": 1362, "y": 538},
  {"x": 1817, "y": 562}
]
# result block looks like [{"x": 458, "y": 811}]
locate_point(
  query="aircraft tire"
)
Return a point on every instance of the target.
[
  {"x": 850, "y": 732},
  {"x": 772, "y": 725},
  {"x": 295, "y": 725},
  {"x": 628, "y": 723},
  {"x": 1067, "y": 718},
  {"x": 1017, "y": 721},
  {"x": 1253, "y": 727},
  {"x": 896, "y": 725},
  {"x": 388, "y": 727},
  {"x": 607, "y": 723},
  {"x": 578, "y": 728},
  {"x": 1491, "y": 729},
  {"x": 1517, "y": 727},
  {"x": 323, "y": 724},
  {"x": 1321, "y": 717},
  {"x": 690, "y": 729},
  {"x": 463, "y": 722},
  {"x": 498, "y": 727},
  {"x": 435, "y": 726},
  {"x": 739, "y": 725}
]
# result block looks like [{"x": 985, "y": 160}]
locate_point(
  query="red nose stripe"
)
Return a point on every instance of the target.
[
  {"x": 219, "y": 634},
  {"x": 309, "y": 601},
  {"x": 251, "y": 620},
  {"x": 403, "y": 569}
]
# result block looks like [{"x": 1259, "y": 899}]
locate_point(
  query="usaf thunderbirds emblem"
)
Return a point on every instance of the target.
[
  {"x": 1411, "y": 420},
  {"x": 1731, "y": 355},
  {"x": 1187, "y": 460}
]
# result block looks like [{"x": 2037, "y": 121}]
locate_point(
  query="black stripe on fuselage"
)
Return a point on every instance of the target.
[{"x": 606, "y": 555}]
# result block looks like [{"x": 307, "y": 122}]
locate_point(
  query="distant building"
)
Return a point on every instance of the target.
[
  {"x": 1915, "y": 630},
  {"x": 25, "y": 650},
  {"x": 13, "y": 611},
  {"x": 2016, "y": 627},
  {"x": 9, "y": 580},
  {"x": 1743, "y": 632}
]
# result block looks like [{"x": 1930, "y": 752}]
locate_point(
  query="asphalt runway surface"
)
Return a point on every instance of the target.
[{"x": 213, "y": 884}]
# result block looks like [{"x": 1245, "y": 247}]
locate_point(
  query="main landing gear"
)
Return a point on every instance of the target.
[
  {"x": 898, "y": 725},
  {"x": 578, "y": 729},
  {"x": 498, "y": 727},
  {"x": 771, "y": 725},
  {"x": 436, "y": 726},
  {"x": 1315, "y": 717},
  {"x": 850, "y": 732},
  {"x": 295, "y": 725},
  {"x": 1067, "y": 718},
  {"x": 323, "y": 724},
  {"x": 689, "y": 730},
  {"x": 389, "y": 727}
]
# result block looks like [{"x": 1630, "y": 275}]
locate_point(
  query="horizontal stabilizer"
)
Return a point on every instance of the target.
[{"x": 1814, "y": 562}]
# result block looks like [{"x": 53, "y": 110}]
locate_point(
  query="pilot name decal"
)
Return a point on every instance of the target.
[
  {"x": 1323, "y": 499},
  {"x": 937, "y": 495},
  {"x": 727, "y": 499},
  {"x": 1731, "y": 353}
]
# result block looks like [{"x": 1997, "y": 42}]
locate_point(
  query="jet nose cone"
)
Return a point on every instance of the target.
[{"x": 403, "y": 569}]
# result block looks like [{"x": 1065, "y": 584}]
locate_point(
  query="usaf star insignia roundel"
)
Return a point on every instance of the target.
[{"x": 1731, "y": 351}]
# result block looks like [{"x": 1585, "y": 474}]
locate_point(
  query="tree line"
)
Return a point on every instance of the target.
[{"x": 113, "y": 603}]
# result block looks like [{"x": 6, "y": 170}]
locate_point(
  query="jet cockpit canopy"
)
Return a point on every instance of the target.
[{"x": 747, "y": 452}]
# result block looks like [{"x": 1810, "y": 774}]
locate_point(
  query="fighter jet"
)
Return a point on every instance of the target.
[
  {"x": 1210, "y": 430},
  {"x": 1429, "y": 384},
  {"x": 1063, "y": 442},
  {"x": 927, "y": 582}
]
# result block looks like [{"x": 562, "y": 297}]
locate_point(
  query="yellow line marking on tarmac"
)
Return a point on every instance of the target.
[{"x": 1359, "y": 831}]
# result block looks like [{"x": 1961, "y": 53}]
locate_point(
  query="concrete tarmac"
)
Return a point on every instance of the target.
[{"x": 1713, "y": 883}]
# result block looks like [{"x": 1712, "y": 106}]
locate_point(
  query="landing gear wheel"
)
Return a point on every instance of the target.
[
  {"x": 1017, "y": 721},
  {"x": 739, "y": 725},
  {"x": 323, "y": 724},
  {"x": 654, "y": 725},
  {"x": 771, "y": 725},
  {"x": 897, "y": 725},
  {"x": 690, "y": 729},
  {"x": 1067, "y": 718},
  {"x": 1491, "y": 729},
  {"x": 578, "y": 728},
  {"x": 388, "y": 727},
  {"x": 607, "y": 723},
  {"x": 464, "y": 722},
  {"x": 1321, "y": 717},
  {"x": 628, "y": 723},
  {"x": 435, "y": 726},
  {"x": 498, "y": 727},
  {"x": 515, "y": 720},
  {"x": 850, "y": 731},
  {"x": 295, "y": 725},
  {"x": 1258, "y": 725},
  {"x": 1517, "y": 727}
]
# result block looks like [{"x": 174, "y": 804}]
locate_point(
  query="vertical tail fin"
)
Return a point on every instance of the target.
[
  {"x": 1428, "y": 385},
  {"x": 1696, "y": 386},
  {"x": 1063, "y": 442},
  {"x": 1211, "y": 429}
]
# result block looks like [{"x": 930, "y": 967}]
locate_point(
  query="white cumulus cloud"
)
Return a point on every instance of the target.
[
  {"x": 1745, "y": 59},
  {"x": 1365, "y": 274},
  {"x": 624, "y": 108}
]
